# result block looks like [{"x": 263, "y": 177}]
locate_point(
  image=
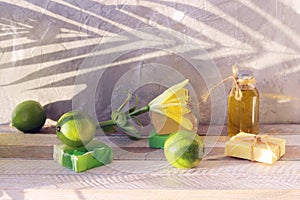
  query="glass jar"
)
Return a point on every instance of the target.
[{"x": 243, "y": 105}]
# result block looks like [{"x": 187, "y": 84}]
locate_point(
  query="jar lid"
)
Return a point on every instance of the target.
[{"x": 245, "y": 77}]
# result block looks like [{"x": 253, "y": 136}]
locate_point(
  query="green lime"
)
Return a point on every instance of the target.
[
  {"x": 184, "y": 149},
  {"x": 28, "y": 116},
  {"x": 76, "y": 128}
]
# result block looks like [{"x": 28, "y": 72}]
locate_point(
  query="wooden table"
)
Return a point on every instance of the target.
[{"x": 27, "y": 171}]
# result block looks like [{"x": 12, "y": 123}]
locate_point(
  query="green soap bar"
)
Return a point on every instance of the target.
[
  {"x": 157, "y": 141},
  {"x": 95, "y": 154}
]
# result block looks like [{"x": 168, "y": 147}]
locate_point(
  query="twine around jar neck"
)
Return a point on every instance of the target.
[{"x": 235, "y": 91}]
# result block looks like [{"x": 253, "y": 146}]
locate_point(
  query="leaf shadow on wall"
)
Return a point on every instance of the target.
[
  {"x": 119, "y": 18},
  {"x": 55, "y": 109},
  {"x": 268, "y": 29}
]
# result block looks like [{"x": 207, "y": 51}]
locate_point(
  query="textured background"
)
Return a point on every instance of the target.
[{"x": 43, "y": 45}]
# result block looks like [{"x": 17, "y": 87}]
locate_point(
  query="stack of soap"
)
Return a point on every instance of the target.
[
  {"x": 93, "y": 155},
  {"x": 157, "y": 141},
  {"x": 261, "y": 148}
]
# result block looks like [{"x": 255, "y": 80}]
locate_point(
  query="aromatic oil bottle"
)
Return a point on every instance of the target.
[{"x": 243, "y": 105}]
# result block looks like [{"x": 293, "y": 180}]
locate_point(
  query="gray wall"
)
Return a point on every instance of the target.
[{"x": 78, "y": 54}]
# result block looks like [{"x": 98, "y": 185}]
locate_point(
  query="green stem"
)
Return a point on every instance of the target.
[
  {"x": 106, "y": 123},
  {"x": 109, "y": 123},
  {"x": 139, "y": 111}
]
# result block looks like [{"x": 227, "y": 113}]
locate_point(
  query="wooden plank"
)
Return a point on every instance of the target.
[
  {"x": 280, "y": 129},
  {"x": 138, "y": 171},
  {"x": 45, "y": 174},
  {"x": 20, "y": 139},
  {"x": 40, "y": 146},
  {"x": 6, "y": 128},
  {"x": 26, "y": 152},
  {"x": 216, "y": 153},
  {"x": 126, "y": 153},
  {"x": 210, "y": 141},
  {"x": 136, "y": 168},
  {"x": 274, "y": 129},
  {"x": 137, "y": 194}
]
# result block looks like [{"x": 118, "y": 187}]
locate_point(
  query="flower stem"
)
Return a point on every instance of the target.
[
  {"x": 139, "y": 111},
  {"x": 110, "y": 123},
  {"x": 107, "y": 123}
]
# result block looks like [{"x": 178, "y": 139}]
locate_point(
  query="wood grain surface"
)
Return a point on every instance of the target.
[{"x": 27, "y": 171}]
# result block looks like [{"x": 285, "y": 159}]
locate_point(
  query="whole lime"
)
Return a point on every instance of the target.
[
  {"x": 184, "y": 149},
  {"x": 28, "y": 116},
  {"x": 76, "y": 128}
]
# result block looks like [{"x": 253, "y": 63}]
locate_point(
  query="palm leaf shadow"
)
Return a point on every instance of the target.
[
  {"x": 114, "y": 13},
  {"x": 232, "y": 30},
  {"x": 58, "y": 68}
]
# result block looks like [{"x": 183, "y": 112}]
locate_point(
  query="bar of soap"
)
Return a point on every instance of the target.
[
  {"x": 95, "y": 154},
  {"x": 261, "y": 148},
  {"x": 157, "y": 141}
]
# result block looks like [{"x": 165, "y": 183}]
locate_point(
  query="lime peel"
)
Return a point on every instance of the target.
[
  {"x": 184, "y": 149},
  {"x": 76, "y": 128},
  {"x": 28, "y": 116}
]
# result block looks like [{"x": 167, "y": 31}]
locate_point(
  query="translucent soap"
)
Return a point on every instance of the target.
[
  {"x": 95, "y": 154},
  {"x": 157, "y": 141}
]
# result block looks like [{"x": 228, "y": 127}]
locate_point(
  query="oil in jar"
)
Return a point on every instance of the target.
[{"x": 243, "y": 105}]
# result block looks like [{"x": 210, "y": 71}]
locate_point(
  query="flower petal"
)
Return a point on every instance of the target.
[
  {"x": 168, "y": 93},
  {"x": 181, "y": 95},
  {"x": 177, "y": 114},
  {"x": 166, "y": 125},
  {"x": 173, "y": 104}
]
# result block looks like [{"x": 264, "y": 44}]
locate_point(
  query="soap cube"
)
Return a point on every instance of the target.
[
  {"x": 261, "y": 148},
  {"x": 93, "y": 155},
  {"x": 157, "y": 141}
]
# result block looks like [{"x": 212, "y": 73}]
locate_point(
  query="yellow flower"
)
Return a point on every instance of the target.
[{"x": 173, "y": 104}]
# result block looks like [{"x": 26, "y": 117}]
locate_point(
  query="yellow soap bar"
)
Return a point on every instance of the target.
[{"x": 261, "y": 148}]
